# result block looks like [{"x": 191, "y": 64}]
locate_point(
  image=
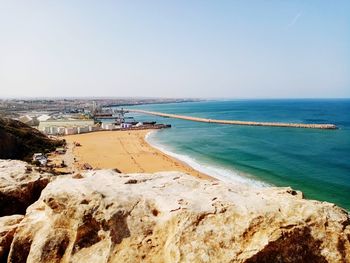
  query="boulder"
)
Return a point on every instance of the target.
[
  {"x": 20, "y": 186},
  {"x": 103, "y": 216}
]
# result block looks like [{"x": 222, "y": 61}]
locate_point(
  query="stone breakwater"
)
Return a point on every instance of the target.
[
  {"x": 103, "y": 216},
  {"x": 236, "y": 122}
]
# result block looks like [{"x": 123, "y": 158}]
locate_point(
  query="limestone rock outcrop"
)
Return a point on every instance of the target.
[
  {"x": 8, "y": 226},
  {"x": 104, "y": 216},
  {"x": 20, "y": 186}
]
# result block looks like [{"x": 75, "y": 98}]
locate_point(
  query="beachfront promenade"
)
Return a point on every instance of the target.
[{"x": 235, "y": 122}]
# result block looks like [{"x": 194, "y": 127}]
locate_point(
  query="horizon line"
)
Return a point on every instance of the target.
[{"x": 168, "y": 98}]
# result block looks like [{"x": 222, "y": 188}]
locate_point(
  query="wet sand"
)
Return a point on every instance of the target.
[{"x": 126, "y": 151}]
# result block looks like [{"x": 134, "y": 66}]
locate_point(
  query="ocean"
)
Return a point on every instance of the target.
[{"x": 316, "y": 162}]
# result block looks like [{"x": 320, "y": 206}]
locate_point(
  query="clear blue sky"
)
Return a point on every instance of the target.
[{"x": 235, "y": 49}]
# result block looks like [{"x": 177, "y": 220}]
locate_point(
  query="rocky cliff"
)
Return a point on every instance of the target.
[
  {"x": 20, "y": 141},
  {"x": 20, "y": 186},
  {"x": 103, "y": 216}
]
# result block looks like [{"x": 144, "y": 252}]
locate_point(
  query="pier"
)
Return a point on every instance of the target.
[{"x": 236, "y": 122}]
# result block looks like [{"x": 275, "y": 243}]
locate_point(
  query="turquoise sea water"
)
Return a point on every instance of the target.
[{"x": 316, "y": 162}]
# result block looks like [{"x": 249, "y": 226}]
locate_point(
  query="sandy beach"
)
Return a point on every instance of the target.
[{"x": 126, "y": 151}]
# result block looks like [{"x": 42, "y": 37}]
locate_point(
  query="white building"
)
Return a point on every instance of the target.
[
  {"x": 93, "y": 128},
  {"x": 44, "y": 117},
  {"x": 125, "y": 125},
  {"x": 139, "y": 124},
  {"x": 84, "y": 129},
  {"x": 53, "y": 130},
  {"x": 59, "y": 127},
  {"x": 71, "y": 130},
  {"x": 108, "y": 126},
  {"x": 46, "y": 130},
  {"x": 31, "y": 121},
  {"x": 65, "y": 123},
  {"x": 61, "y": 130}
]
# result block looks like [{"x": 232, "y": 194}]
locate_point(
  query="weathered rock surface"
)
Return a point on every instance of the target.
[
  {"x": 172, "y": 217},
  {"x": 20, "y": 186},
  {"x": 8, "y": 225}
]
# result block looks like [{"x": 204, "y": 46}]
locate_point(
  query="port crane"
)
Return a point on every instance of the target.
[{"x": 120, "y": 117}]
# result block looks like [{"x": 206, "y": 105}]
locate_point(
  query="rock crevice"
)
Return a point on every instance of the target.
[{"x": 18, "y": 187}]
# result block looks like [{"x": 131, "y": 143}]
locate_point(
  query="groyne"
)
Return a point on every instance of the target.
[{"x": 236, "y": 122}]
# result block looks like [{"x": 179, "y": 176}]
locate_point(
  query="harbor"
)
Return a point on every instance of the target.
[{"x": 90, "y": 120}]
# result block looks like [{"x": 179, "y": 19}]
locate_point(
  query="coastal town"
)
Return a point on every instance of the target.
[
  {"x": 82, "y": 118},
  {"x": 17, "y": 107},
  {"x": 77, "y": 116}
]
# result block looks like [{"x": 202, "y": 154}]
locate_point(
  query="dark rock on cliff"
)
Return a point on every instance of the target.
[{"x": 20, "y": 141}]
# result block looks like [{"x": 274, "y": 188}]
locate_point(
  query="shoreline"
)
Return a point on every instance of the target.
[
  {"x": 126, "y": 151},
  {"x": 228, "y": 175},
  {"x": 217, "y": 172},
  {"x": 162, "y": 158}
]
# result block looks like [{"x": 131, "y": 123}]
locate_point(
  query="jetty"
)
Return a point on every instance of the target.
[{"x": 237, "y": 122}]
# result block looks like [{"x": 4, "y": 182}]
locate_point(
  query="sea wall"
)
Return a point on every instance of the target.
[{"x": 236, "y": 122}]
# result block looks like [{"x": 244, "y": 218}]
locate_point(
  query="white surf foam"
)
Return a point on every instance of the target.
[{"x": 223, "y": 174}]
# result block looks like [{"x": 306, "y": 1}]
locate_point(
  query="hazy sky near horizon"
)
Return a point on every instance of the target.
[{"x": 196, "y": 48}]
